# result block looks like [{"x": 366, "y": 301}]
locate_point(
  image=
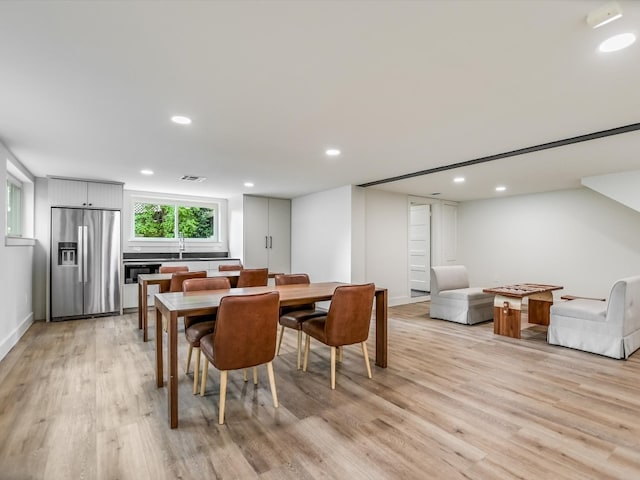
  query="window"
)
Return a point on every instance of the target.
[
  {"x": 14, "y": 207},
  {"x": 167, "y": 219}
]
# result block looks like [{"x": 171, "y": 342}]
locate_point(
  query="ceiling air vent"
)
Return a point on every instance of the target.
[{"x": 192, "y": 178}]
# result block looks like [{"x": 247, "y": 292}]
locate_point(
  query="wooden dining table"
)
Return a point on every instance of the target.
[
  {"x": 163, "y": 280},
  {"x": 178, "y": 304}
]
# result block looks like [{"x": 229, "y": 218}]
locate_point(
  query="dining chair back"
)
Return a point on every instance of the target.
[
  {"x": 178, "y": 278},
  {"x": 294, "y": 279},
  {"x": 198, "y": 284},
  {"x": 346, "y": 323},
  {"x": 196, "y": 327},
  {"x": 229, "y": 268},
  {"x": 245, "y": 337},
  {"x": 173, "y": 268},
  {"x": 293, "y": 316},
  {"x": 253, "y": 277}
]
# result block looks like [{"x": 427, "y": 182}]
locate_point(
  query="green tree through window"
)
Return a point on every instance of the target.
[
  {"x": 153, "y": 220},
  {"x": 195, "y": 222}
]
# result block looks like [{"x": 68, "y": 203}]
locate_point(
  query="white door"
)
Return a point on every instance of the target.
[
  {"x": 419, "y": 251},
  {"x": 279, "y": 235},
  {"x": 256, "y": 232}
]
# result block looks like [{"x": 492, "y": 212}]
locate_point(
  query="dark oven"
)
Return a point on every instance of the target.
[{"x": 132, "y": 270}]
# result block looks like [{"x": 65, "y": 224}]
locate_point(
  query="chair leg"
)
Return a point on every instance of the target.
[
  {"x": 272, "y": 384},
  {"x": 299, "y": 361},
  {"x": 366, "y": 358},
  {"x": 245, "y": 375},
  {"x": 223, "y": 395},
  {"x": 340, "y": 358},
  {"x": 280, "y": 341},
  {"x": 205, "y": 372},
  {"x": 196, "y": 370},
  {"x": 306, "y": 353},
  {"x": 333, "y": 368},
  {"x": 189, "y": 358},
  {"x": 255, "y": 375}
]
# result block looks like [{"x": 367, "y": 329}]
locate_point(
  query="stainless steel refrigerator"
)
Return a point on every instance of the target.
[{"x": 85, "y": 263}]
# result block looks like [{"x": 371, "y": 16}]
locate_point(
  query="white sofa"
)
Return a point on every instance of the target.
[
  {"x": 452, "y": 299},
  {"x": 610, "y": 328}
]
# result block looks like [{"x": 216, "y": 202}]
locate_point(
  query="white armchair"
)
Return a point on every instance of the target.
[
  {"x": 452, "y": 299},
  {"x": 610, "y": 328}
]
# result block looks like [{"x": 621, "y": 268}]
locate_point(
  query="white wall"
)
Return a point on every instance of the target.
[
  {"x": 41, "y": 250},
  {"x": 236, "y": 227},
  {"x": 321, "y": 235},
  {"x": 358, "y": 235},
  {"x": 387, "y": 228},
  {"x": 575, "y": 238},
  {"x": 16, "y": 294}
]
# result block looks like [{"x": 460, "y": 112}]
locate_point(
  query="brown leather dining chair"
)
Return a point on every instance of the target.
[
  {"x": 178, "y": 278},
  {"x": 245, "y": 337},
  {"x": 229, "y": 268},
  {"x": 196, "y": 327},
  {"x": 173, "y": 269},
  {"x": 293, "y": 316},
  {"x": 346, "y": 323},
  {"x": 253, "y": 277}
]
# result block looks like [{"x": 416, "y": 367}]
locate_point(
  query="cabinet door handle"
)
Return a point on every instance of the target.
[
  {"x": 270, "y": 241},
  {"x": 266, "y": 242}
]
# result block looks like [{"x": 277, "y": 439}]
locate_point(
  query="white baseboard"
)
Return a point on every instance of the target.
[
  {"x": 10, "y": 340},
  {"x": 404, "y": 300}
]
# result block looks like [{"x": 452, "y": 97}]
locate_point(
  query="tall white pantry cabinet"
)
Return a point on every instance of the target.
[{"x": 266, "y": 233}]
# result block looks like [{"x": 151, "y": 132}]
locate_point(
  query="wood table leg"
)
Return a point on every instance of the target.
[
  {"x": 506, "y": 316},
  {"x": 172, "y": 360},
  {"x": 142, "y": 305},
  {"x": 381, "y": 328},
  {"x": 159, "y": 360},
  {"x": 139, "y": 306}
]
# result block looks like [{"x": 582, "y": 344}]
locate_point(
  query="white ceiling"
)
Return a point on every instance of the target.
[{"x": 87, "y": 89}]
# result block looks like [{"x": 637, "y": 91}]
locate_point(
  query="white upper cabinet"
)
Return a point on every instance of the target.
[
  {"x": 267, "y": 233},
  {"x": 78, "y": 193}
]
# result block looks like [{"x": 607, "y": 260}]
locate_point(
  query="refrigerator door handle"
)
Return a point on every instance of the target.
[
  {"x": 84, "y": 253},
  {"x": 80, "y": 253}
]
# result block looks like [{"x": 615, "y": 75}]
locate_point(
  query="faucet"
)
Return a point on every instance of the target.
[{"x": 181, "y": 246}]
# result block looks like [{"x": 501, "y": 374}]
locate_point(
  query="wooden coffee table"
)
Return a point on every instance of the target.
[{"x": 508, "y": 305}]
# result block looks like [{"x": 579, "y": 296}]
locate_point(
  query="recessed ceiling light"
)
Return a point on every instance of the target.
[
  {"x": 248, "y": 184},
  {"x": 459, "y": 179},
  {"x": 500, "y": 188},
  {"x": 180, "y": 120},
  {"x": 332, "y": 152},
  {"x": 617, "y": 42},
  {"x": 146, "y": 172}
]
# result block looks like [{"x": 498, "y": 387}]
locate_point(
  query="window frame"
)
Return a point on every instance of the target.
[
  {"x": 12, "y": 180},
  {"x": 176, "y": 203}
]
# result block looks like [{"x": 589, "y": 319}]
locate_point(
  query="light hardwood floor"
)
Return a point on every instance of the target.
[{"x": 78, "y": 401}]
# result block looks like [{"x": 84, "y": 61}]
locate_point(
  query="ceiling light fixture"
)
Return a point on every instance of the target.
[
  {"x": 146, "y": 172},
  {"x": 459, "y": 179},
  {"x": 617, "y": 42},
  {"x": 332, "y": 152},
  {"x": 500, "y": 188},
  {"x": 181, "y": 120},
  {"x": 248, "y": 184},
  {"x": 604, "y": 14}
]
